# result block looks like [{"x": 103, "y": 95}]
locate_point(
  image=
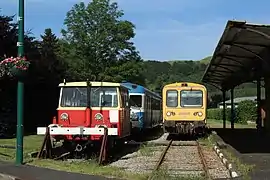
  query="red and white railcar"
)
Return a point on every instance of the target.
[{"x": 85, "y": 108}]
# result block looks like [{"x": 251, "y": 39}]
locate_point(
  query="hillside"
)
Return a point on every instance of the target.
[
  {"x": 159, "y": 73},
  {"x": 206, "y": 60}
]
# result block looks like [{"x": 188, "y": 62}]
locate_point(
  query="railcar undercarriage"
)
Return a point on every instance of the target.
[{"x": 184, "y": 127}]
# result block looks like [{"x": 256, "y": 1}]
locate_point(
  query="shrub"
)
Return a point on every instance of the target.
[
  {"x": 246, "y": 111},
  {"x": 215, "y": 113}
]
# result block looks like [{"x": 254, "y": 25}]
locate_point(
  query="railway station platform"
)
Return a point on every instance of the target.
[
  {"x": 243, "y": 55},
  {"x": 26, "y": 172}
]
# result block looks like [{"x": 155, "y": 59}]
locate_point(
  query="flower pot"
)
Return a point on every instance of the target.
[{"x": 18, "y": 73}]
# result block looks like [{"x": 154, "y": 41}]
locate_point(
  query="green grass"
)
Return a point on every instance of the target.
[
  {"x": 213, "y": 123},
  {"x": 243, "y": 168},
  {"x": 163, "y": 174},
  {"x": 31, "y": 144},
  {"x": 146, "y": 150},
  {"x": 88, "y": 167}
]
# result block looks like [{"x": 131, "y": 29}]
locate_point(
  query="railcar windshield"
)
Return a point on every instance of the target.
[
  {"x": 191, "y": 98},
  {"x": 135, "y": 100},
  {"x": 172, "y": 98},
  {"x": 100, "y": 97}
]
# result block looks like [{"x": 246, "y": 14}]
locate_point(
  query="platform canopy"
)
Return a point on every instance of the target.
[{"x": 242, "y": 55}]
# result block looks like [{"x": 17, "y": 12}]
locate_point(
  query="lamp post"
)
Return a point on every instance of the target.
[{"x": 19, "y": 135}]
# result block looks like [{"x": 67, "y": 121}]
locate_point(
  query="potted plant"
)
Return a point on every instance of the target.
[{"x": 15, "y": 67}]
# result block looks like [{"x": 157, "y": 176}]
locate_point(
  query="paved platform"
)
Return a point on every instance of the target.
[
  {"x": 251, "y": 147},
  {"x": 262, "y": 165},
  {"x": 26, "y": 172}
]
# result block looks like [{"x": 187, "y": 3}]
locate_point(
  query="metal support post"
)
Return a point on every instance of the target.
[{"x": 20, "y": 90}]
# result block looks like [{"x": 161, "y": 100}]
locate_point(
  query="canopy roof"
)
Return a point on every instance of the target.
[{"x": 241, "y": 55}]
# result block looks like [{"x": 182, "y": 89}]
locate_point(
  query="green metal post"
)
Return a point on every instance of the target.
[{"x": 19, "y": 147}]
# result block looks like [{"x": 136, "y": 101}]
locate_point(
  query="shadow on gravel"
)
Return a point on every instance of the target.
[
  {"x": 245, "y": 140},
  {"x": 147, "y": 135},
  {"x": 137, "y": 139},
  {"x": 186, "y": 137}
]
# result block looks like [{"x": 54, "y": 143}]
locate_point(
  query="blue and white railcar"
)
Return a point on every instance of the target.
[{"x": 145, "y": 106}]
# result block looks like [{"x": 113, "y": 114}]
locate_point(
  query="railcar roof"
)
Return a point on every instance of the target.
[
  {"x": 189, "y": 84},
  {"x": 93, "y": 83},
  {"x": 135, "y": 88}
]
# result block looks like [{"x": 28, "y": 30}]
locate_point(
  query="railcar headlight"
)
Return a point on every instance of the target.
[
  {"x": 64, "y": 116},
  {"x": 168, "y": 113},
  {"x": 200, "y": 114},
  {"x": 98, "y": 116}
]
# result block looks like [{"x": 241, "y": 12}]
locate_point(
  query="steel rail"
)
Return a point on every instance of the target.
[{"x": 205, "y": 167}]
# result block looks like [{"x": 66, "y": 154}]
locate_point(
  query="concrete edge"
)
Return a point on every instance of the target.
[
  {"x": 225, "y": 161},
  {"x": 8, "y": 177}
]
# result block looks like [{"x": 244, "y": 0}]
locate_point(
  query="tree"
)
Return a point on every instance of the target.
[
  {"x": 8, "y": 87},
  {"x": 8, "y": 35},
  {"x": 9, "y": 38},
  {"x": 48, "y": 49},
  {"x": 99, "y": 42},
  {"x": 50, "y": 63}
]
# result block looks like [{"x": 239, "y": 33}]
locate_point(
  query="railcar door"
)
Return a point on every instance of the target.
[
  {"x": 147, "y": 123},
  {"x": 125, "y": 109}
]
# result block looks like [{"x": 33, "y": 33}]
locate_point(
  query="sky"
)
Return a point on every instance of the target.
[{"x": 165, "y": 29}]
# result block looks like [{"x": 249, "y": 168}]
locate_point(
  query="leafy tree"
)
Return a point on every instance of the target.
[{"x": 99, "y": 43}]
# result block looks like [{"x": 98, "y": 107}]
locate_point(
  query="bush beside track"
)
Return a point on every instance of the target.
[{"x": 246, "y": 111}]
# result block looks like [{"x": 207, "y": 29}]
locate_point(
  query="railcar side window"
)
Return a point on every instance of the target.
[
  {"x": 192, "y": 98},
  {"x": 172, "y": 98}
]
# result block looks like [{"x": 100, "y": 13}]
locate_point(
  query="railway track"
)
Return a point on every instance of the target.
[{"x": 162, "y": 160}]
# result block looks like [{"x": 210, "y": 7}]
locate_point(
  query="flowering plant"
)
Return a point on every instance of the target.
[{"x": 17, "y": 63}]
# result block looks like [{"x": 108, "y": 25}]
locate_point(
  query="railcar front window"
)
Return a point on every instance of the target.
[
  {"x": 135, "y": 100},
  {"x": 100, "y": 97},
  {"x": 74, "y": 97},
  {"x": 172, "y": 98},
  {"x": 192, "y": 98},
  {"x": 108, "y": 100},
  {"x": 104, "y": 97}
]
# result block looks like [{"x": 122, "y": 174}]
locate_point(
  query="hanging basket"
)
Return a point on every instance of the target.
[
  {"x": 15, "y": 67},
  {"x": 18, "y": 73}
]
